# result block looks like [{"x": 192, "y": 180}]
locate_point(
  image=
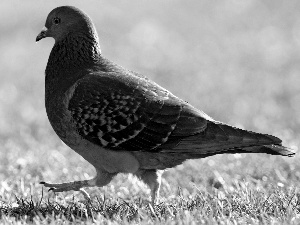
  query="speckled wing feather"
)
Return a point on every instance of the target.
[{"x": 128, "y": 112}]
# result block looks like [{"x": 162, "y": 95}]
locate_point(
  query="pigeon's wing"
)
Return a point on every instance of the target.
[{"x": 128, "y": 112}]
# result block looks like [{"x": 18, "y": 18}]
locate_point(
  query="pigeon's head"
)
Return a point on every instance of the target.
[{"x": 64, "y": 20}]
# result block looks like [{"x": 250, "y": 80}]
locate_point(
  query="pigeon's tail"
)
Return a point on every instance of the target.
[
  {"x": 273, "y": 149},
  {"x": 219, "y": 138}
]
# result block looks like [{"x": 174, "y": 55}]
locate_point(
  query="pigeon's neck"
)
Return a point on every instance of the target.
[
  {"x": 75, "y": 50},
  {"x": 68, "y": 58}
]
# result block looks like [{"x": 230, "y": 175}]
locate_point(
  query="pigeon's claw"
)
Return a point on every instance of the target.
[
  {"x": 70, "y": 186},
  {"x": 101, "y": 179}
]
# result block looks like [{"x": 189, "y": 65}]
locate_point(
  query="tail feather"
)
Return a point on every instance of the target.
[
  {"x": 272, "y": 149},
  {"x": 219, "y": 138}
]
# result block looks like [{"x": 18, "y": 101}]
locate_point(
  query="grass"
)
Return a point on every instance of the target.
[
  {"x": 236, "y": 60},
  {"x": 234, "y": 194},
  {"x": 244, "y": 205}
]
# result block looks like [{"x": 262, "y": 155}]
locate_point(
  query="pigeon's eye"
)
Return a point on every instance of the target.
[{"x": 56, "y": 20}]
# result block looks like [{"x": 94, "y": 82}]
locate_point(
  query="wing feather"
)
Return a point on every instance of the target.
[{"x": 130, "y": 113}]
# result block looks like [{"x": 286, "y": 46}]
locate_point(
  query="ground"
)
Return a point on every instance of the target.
[{"x": 236, "y": 60}]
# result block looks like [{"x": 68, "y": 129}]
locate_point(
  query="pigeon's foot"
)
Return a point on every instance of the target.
[
  {"x": 153, "y": 179},
  {"x": 101, "y": 179},
  {"x": 71, "y": 186}
]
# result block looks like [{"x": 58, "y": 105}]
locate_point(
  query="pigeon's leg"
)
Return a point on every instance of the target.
[
  {"x": 153, "y": 179},
  {"x": 101, "y": 179}
]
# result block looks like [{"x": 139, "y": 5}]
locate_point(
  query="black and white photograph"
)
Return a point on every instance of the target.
[{"x": 150, "y": 112}]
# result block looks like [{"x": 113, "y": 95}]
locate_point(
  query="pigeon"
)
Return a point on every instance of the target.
[{"x": 119, "y": 120}]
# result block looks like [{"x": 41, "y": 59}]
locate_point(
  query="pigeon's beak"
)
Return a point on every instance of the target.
[{"x": 42, "y": 34}]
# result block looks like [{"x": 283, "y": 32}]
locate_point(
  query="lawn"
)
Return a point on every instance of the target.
[{"x": 238, "y": 61}]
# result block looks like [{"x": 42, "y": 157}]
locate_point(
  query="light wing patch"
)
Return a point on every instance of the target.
[{"x": 109, "y": 121}]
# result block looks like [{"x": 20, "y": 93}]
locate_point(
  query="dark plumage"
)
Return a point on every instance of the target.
[{"x": 120, "y": 121}]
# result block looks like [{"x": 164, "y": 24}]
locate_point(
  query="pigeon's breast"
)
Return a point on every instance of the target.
[{"x": 60, "y": 117}]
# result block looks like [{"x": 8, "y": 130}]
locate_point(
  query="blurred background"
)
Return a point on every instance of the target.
[{"x": 238, "y": 61}]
